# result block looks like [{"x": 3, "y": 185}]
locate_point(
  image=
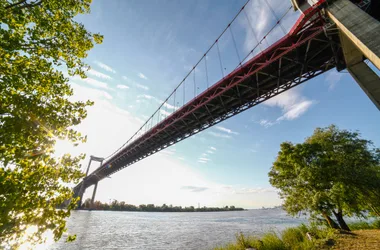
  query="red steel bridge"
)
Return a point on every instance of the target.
[{"x": 316, "y": 43}]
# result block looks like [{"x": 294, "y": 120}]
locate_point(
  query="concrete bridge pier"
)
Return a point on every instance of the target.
[
  {"x": 360, "y": 38},
  {"x": 82, "y": 190},
  {"x": 93, "y": 194}
]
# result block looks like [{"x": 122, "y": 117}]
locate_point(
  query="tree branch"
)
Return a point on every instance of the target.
[
  {"x": 15, "y": 4},
  {"x": 33, "y": 4}
]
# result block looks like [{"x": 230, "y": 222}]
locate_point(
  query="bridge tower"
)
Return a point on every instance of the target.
[
  {"x": 79, "y": 193},
  {"x": 358, "y": 25}
]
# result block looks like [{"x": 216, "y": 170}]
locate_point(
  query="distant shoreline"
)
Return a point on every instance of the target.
[
  {"x": 156, "y": 211},
  {"x": 122, "y": 206}
]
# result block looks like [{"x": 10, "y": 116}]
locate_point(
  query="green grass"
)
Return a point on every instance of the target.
[
  {"x": 295, "y": 238},
  {"x": 291, "y": 238}
]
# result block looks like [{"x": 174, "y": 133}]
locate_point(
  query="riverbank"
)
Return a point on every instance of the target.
[{"x": 366, "y": 237}]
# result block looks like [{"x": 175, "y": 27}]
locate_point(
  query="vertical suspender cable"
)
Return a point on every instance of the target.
[
  {"x": 275, "y": 16},
  {"x": 220, "y": 59},
  {"x": 195, "y": 91},
  {"x": 205, "y": 56},
  {"x": 233, "y": 39},
  {"x": 183, "y": 88}
]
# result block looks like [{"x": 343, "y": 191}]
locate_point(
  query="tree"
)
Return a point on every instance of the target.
[
  {"x": 331, "y": 173},
  {"x": 37, "y": 38}
]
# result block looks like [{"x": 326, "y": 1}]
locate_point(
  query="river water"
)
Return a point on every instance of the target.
[{"x": 146, "y": 230}]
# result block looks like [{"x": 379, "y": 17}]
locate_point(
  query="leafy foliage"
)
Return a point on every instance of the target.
[
  {"x": 36, "y": 39},
  {"x": 334, "y": 172}
]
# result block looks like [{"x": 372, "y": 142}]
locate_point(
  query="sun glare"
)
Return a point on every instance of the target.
[
  {"x": 63, "y": 147},
  {"x": 47, "y": 236}
]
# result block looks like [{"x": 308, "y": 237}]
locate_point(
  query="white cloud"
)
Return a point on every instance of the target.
[
  {"x": 253, "y": 190},
  {"x": 228, "y": 131},
  {"x": 122, "y": 86},
  {"x": 145, "y": 96},
  {"x": 92, "y": 82},
  {"x": 167, "y": 105},
  {"x": 210, "y": 151},
  {"x": 142, "y": 76},
  {"x": 105, "y": 66},
  {"x": 95, "y": 93},
  {"x": 292, "y": 104},
  {"x": 138, "y": 85},
  {"x": 261, "y": 20},
  {"x": 167, "y": 152},
  {"x": 95, "y": 83},
  {"x": 332, "y": 78},
  {"x": 296, "y": 110},
  {"x": 164, "y": 112},
  {"x": 194, "y": 189},
  {"x": 266, "y": 123},
  {"x": 219, "y": 135},
  {"x": 144, "y": 87},
  {"x": 204, "y": 159},
  {"x": 149, "y": 97},
  {"x": 108, "y": 96},
  {"x": 99, "y": 74},
  {"x": 212, "y": 148}
]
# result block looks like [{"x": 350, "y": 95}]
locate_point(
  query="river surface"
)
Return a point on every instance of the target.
[{"x": 155, "y": 230}]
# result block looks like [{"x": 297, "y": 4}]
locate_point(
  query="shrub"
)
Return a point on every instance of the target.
[
  {"x": 359, "y": 225},
  {"x": 292, "y": 237},
  {"x": 272, "y": 242}
]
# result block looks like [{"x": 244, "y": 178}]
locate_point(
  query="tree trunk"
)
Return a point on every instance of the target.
[
  {"x": 342, "y": 223},
  {"x": 330, "y": 221}
]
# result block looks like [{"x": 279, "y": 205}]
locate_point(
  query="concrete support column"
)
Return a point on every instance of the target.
[
  {"x": 88, "y": 166},
  {"x": 360, "y": 28},
  {"x": 360, "y": 37},
  {"x": 93, "y": 194},
  {"x": 82, "y": 189},
  {"x": 81, "y": 192},
  {"x": 368, "y": 80}
]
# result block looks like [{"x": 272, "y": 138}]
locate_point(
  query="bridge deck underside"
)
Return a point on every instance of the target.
[{"x": 296, "y": 58}]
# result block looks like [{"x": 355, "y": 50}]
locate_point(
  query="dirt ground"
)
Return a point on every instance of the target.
[{"x": 358, "y": 240}]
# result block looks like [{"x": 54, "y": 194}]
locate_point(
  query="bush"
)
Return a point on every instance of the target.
[
  {"x": 376, "y": 224},
  {"x": 292, "y": 237},
  {"x": 359, "y": 225},
  {"x": 242, "y": 243},
  {"x": 272, "y": 242}
]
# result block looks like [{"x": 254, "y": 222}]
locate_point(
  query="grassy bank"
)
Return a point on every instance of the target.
[{"x": 365, "y": 236}]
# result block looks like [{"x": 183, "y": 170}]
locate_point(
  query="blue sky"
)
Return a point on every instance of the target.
[{"x": 148, "y": 48}]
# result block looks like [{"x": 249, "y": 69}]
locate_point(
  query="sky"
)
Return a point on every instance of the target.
[{"x": 149, "y": 47}]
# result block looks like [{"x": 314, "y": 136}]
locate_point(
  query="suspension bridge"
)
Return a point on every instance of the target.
[{"x": 338, "y": 34}]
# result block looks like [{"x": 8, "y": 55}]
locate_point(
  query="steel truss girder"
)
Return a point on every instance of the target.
[{"x": 275, "y": 70}]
